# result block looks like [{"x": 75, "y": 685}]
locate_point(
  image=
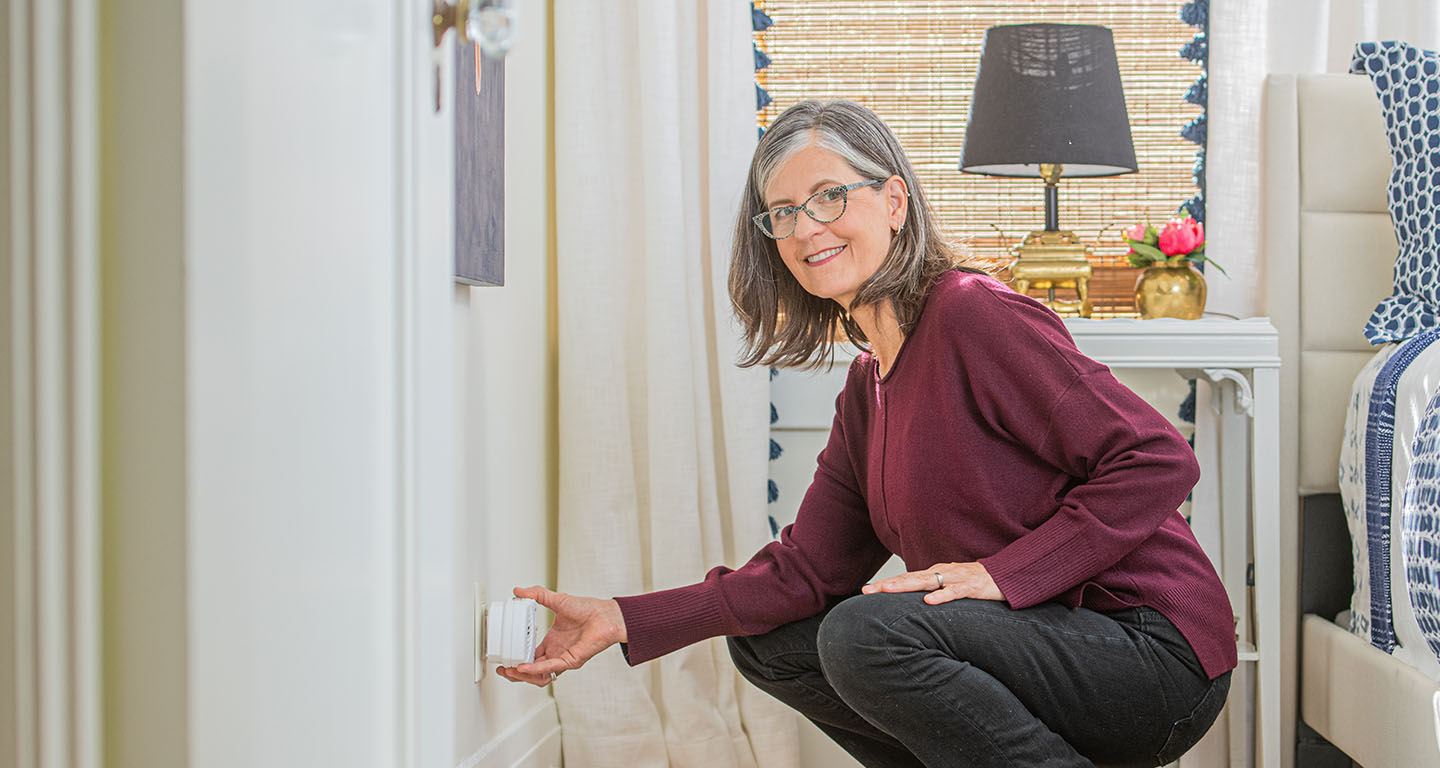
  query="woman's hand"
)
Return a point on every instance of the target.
[
  {"x": 584, "y": 626},
  {"x": 955, "y": 580}
]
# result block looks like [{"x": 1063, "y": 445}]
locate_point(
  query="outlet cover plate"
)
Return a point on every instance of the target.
[{"x": 479, "y": 630}]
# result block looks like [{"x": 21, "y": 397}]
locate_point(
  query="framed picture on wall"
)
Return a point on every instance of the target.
[{"x": 479, "y": 167}]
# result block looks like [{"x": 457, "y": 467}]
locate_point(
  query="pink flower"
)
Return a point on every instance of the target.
[
  {"x": 1181, "y": 236},
  {"x": 1136, "y": 233}
]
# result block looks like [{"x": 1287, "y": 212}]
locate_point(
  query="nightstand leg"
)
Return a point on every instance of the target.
[{"x": 1265, "y": 474}]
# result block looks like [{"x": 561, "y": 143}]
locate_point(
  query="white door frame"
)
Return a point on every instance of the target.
[{"x": 51, "y": 387}]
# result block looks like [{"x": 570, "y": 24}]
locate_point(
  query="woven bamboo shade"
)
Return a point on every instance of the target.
[{"x": 914, "y": 63}]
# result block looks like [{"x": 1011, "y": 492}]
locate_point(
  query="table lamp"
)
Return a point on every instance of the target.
[{"x": 1048, "y": 102}]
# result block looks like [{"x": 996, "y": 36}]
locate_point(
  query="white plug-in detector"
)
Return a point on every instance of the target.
[{"x": 510, "y": 631}]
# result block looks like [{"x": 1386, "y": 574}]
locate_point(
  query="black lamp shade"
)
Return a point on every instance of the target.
[{"x": 1048, "y": 93}]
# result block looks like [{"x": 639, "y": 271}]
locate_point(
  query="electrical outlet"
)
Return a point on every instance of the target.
[{"x": 480, "y": 632}]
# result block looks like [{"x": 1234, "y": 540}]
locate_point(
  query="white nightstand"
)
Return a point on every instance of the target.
[{"x": 1241, "y": 361}]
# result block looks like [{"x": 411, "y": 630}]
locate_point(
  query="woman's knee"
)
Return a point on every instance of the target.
[
  {"x": 784, "y": 653},
  {"x": 858, "y": 631},
  {"x": 866, "y": 638}
]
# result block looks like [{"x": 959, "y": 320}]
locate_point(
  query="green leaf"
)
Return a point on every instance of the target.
[
  {"x": 1199, "y": 257},
  {"x": 1136, "y": 260},
  {"x": 1148, "y": 250},
  {"x": 1152, "y": 235}
]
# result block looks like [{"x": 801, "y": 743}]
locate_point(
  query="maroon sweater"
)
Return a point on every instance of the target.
[{"x": 992, "y": 439}]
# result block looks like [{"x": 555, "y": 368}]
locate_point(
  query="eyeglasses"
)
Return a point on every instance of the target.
[{"x": 824, "y": 207}]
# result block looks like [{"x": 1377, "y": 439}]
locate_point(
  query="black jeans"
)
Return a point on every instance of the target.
[{"x": 898, "y": 682}]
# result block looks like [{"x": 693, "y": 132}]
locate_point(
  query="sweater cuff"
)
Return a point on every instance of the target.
[
  {"x": 1043, "y": 563},
  {"x": 657, "y": 623}
]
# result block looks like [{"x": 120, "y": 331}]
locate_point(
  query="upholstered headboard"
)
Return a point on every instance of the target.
[{"x": 1330, "y": 253}]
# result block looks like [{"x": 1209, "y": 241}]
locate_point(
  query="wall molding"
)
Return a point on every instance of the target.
[
  {"x": 425, "y": 460},
  {"x": 533, "y": 741},
  {"x": 53, "y": 394}
]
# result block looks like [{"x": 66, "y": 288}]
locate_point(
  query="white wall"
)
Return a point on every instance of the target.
[
  {"x": 277, "y": 458},
  {"x": 317, "y": 484},
  {"x": 285, "y": 536},
  {"x": 505, "y": 377},
  {"x": 291, "y": 369}
]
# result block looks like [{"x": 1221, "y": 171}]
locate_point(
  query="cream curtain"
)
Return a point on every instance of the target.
[
  {"x": 1249, "y": 39},
  {"x": 663, "y": 441},
  {"x": 1238, "y": 30},
  {"x": 1330, "y": 29}
]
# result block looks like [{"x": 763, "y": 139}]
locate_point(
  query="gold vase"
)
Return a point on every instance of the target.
[{"x": 1165, "y": 290}]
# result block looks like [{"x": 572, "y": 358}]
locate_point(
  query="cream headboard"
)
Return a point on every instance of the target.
[{"x": 1329, "y": 252}]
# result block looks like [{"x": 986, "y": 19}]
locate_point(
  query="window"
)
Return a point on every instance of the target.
[{"x": 914, "y": 63}]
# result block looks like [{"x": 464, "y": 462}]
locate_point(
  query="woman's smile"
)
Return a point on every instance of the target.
[{"x": 821, "y": 257}]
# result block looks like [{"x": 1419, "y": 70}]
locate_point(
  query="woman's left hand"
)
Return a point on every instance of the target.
[{"x": 954, "y": 581}]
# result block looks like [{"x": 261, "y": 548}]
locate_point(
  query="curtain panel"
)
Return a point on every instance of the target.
[{"x": 663, "y": 440}]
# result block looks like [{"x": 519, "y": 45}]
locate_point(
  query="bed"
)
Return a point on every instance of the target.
[{"x": 1367, "y": 677}]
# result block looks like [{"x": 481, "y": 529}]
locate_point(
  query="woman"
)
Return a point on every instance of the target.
[{"x": 1058, "y": 610}]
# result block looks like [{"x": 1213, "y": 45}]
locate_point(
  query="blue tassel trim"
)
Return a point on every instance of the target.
[
  {"x": 1196, "y": 14},
  {"x": 759, "y": 20}
]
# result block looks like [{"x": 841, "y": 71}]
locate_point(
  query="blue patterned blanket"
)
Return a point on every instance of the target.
[{"x": 1379, "y": 450}]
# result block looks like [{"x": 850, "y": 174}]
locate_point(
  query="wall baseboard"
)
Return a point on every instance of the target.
[{"x": 532, "y": 742}]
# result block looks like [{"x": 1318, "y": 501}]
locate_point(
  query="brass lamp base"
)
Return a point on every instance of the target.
[{"x": 1048, "y": 260}]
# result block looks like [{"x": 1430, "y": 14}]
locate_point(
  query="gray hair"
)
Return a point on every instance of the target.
[{"x": 762, "y": 290}]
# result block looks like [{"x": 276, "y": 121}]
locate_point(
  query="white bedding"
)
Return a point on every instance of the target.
[{"x": 1417, "y": 510}]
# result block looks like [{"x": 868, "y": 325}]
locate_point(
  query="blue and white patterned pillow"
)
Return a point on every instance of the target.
[{"x": 1407, "y": 80}]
